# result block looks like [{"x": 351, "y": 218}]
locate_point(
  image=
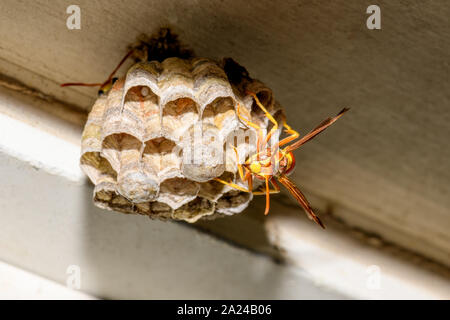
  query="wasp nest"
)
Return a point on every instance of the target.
[{"x": 154, "y": 143}]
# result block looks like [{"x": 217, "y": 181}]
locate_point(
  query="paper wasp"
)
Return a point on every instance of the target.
[{"x": 273, "y": 164}]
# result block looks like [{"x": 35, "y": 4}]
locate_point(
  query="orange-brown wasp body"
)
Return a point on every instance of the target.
[{"x": 274, "y": 163}]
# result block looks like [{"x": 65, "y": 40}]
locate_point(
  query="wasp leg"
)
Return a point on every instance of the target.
[
  {"x": 267, "y": 114},
  {"x": 276, "y": 189},
  {"x": 292, "y": 135},
  {"x": 252, "y": 125},
  {"x": 244, "y": 177},
  {"x": 247, "y": 177},
  {"x": 239, "y": 166},
  {"x": 268, "y": 191},
  {"x": 246, "y": 121},
  {"x": 231, "y": 184},
  {"x": 266, "y": 212}
]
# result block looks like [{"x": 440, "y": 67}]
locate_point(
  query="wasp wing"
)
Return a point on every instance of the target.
[
  {"x": 300, "y": 198},
  {"x": 314, "y": 132}
]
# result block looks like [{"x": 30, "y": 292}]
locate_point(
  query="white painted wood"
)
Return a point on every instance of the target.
[
  {"x": 16, "y": 283},
  {"x": 367, "y": 269}
]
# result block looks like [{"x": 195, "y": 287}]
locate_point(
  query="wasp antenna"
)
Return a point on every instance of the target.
[
  {"x": 81, "y": 84},
  {"x": 110, "y": 78},
  {"x": 119, "y": 65}
]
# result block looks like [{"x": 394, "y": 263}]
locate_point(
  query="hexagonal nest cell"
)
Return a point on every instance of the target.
[{"x": 140, "y": 145}]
